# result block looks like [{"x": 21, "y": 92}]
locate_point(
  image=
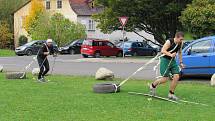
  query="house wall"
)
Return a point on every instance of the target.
[
  {"x": 90, "y": 33},
  {"x": 19, "y": 17},
  {"x": 66, "y": 9},
  {"x": 114, "y": 36}
]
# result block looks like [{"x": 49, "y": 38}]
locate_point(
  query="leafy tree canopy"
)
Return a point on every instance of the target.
[
  {"x": 58, "y": 28},
  {"x": 199, "y": 18},
  {"x": 157, "y": 17}
]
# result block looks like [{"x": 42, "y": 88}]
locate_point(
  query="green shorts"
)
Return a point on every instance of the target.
[{"x": 165, "y": 69}]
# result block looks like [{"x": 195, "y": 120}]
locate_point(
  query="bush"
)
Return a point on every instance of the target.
[
  {"x": 23, "y": 40},
  {"x": 5, "y": 34}
]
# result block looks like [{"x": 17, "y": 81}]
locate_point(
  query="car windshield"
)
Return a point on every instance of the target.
[
  {"x": 30, "y": 43},
  {"x": 87, "y": 42},
  {"x": 126, "y": 45},
  {"x": 73, "y": 42}
]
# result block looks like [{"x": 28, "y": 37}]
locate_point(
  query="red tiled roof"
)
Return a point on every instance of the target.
[{"x": 82, "y": 8}]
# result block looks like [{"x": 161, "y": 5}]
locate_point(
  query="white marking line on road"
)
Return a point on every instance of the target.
[{"x": 9, "y": 64}]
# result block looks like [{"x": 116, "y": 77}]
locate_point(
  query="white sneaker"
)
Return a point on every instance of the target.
[
  {"x": 152, "y": 90},
  {"x": 42, "y": 80},
  {"x": 172, "y": 97}
]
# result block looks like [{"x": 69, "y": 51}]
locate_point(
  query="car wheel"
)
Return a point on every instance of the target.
[
  {"x": 120, "y": 54},
  {"x": 154, "y": 53},
  {"x": 71, "y": 52},
  {"x": 97, "y": 54},
  {"x": 85, "y": 56},
  {"x": 29, "y": 53},
  {"x": 135, "y": 54}
]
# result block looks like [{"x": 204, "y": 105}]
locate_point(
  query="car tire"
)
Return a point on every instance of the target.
[
  {"x": 16, "y": 75},
  {"x": 85, "y": 56},
  {"x": 154, "y": 53},
  {"x": 106, "y": 88},
  {"x": 119, "y": 54},
  {"x": 19, "y": 54},
  {"x": 97, "y": 54},
  {"x": 71, "y": 52},
  {"x": 29, "y": 53}
]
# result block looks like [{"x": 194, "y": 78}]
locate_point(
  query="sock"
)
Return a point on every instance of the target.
[
  {"x": 171, "y": 92},
  {"x": 153, "y": 85}
]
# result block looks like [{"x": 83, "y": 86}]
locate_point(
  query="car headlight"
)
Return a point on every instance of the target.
[
  {"x": 21, "y": 48},
  {"x": 65, "y": 48}
]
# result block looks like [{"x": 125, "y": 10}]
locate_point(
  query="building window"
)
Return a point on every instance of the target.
[
  {"x": 91, "y": 25},
  {"x": 59, "y": 4},
  {"x": 48, "y": 4}
]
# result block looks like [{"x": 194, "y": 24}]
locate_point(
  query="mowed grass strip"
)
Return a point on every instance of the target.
[
  {"x": 6, "y": 53},
  {"x": 70, "y": 98}
]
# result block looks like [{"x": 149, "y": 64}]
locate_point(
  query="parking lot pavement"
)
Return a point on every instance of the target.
[{"x": 76, "y": 65}]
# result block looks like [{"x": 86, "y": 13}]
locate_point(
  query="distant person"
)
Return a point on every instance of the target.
[
  {"x": 168, "y": 65},
  {"x": 45, "y": 50}
]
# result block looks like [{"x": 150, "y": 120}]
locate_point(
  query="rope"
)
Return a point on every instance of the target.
[
  {"x": 53, "y": 65},
  {"x": 145, "y": 65}
]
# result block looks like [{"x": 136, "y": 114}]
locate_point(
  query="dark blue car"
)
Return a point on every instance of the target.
[
  {"x": 199, "y": 57},
  {"x": 138, "y": 49}
]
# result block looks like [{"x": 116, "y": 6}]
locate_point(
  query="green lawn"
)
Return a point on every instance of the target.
[
  {"x": 5, "y": 53},
  {"x": 68, "y": 98}
]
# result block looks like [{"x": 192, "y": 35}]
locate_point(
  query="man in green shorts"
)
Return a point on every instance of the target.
[{"x": 168, "y": 65}]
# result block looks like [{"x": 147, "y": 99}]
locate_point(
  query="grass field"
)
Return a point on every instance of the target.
[
  {"x": 5, "y": 53},
  {"x": 68, "y": 98}
]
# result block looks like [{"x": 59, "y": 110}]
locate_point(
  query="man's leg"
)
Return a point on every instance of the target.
[
  {"x": 46, "y": 65},
  {"x": 40, "y": 62},
  {"x": 175, "y": 71},
  {"x": 174, "y": 83},
  {"x": 164, "y": 71},
  {"x": 159, "y": 81}
]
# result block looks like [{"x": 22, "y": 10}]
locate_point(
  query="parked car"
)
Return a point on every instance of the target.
[
  {"x": 199, "y": 57},
  {"x": 32, "y": 48},
  {"x": 73, "y": 47},
  {"x": 138, "y": 49},
  {"x": 97, "y": 48}
]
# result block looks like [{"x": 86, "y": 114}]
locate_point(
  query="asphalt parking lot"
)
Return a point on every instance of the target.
[{"x": 76, "y": 65}]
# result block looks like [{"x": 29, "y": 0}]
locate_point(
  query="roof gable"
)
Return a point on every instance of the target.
[{"x": 82, "y": 8}]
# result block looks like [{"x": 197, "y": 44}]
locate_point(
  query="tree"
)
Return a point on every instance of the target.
[
  {"x": 23, "y": 40},
  {"x": 159, "y": 18},
  {"x": 5, "y": 34},
  {"x": 36, "y": 10},
  {"x": 58, "y": 28},
  {"x": 7, "y": 7},
  {"x": 199, "y": 18}
]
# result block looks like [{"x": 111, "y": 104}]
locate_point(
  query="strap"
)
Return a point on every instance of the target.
[{"x": 47, "y": 47}]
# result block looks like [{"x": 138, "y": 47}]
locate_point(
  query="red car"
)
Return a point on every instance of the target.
[{"x": 97, "y": 48}]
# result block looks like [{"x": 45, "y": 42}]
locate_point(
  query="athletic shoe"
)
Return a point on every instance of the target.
[
  {"x": 42, "y": 80},
  {"x": 152, "y": 91},
  {"x": 172, "y": 97}
]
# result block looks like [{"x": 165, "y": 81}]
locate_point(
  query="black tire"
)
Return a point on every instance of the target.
[
  {"x": 85, "y": 56},
  {"x": 19, "y": 54},
  {"x": 29, "y": 53},
  {"x": 106, "y": 88},
  {"x": 97, "y": 54},
  {"x": 120, "y": 54},
  {"x": 72, "y": 52},
  {"x": 16, "y": 75},
  {"x": 154, "y": 53}
]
